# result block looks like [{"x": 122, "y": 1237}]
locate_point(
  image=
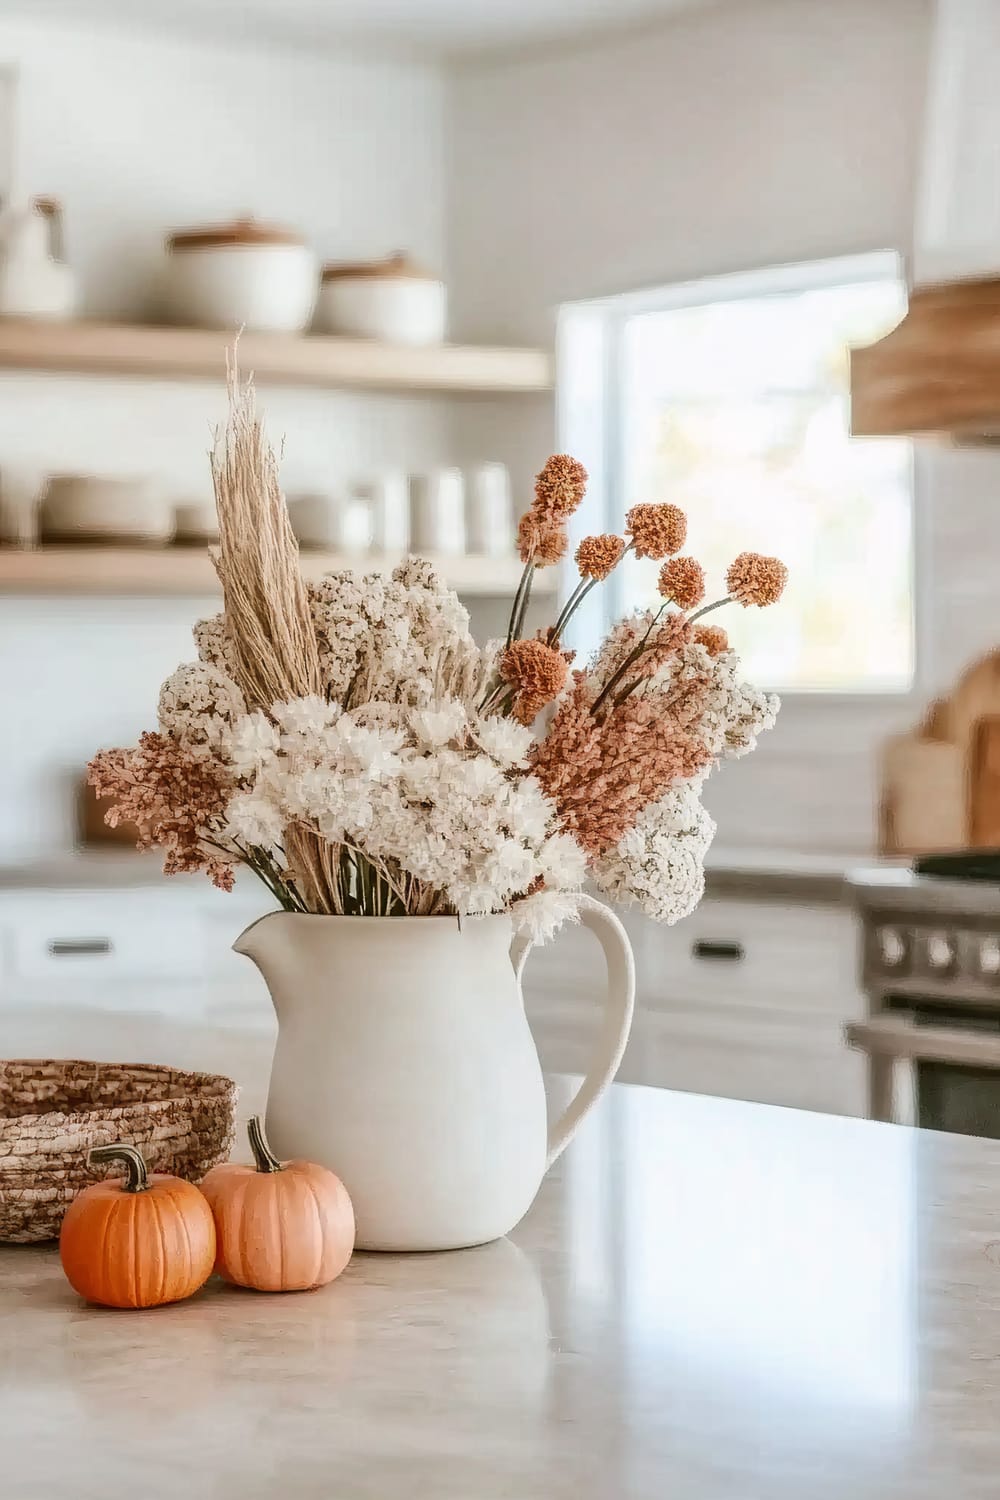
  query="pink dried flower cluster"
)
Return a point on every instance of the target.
[
  {"x": 173, "y": 798},
  {"x": 602, "y": 772}
]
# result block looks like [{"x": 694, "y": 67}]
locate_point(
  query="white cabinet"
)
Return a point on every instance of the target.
[{"x": 745, "y": 999}]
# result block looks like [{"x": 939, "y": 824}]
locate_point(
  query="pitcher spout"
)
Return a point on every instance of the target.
[{"x": 252, "y": 942}]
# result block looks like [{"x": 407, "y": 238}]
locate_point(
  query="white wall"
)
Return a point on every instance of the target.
[
  {"x": 137, "y": 138},
  {"x": 732, "y": 137}
]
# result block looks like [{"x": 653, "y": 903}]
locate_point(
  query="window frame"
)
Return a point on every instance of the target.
[{"x": 597, "y": 437}]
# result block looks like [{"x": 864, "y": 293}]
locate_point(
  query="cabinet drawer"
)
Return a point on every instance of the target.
[
  {"x": 750, "y": 955},
  {"x": 74, "y": 936}
]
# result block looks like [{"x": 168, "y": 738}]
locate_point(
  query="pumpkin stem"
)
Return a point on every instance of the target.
[
  {"x": 264, "y": 1158},
  {"x": 136, "y": 1180}
]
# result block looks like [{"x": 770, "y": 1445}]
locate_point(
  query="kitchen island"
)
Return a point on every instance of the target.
[{"x": 709, "y": 1300}]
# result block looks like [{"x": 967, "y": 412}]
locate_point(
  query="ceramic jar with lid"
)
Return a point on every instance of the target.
[
  {"x": 393, "y": 300},
  {"x": 260, "y": 277}
]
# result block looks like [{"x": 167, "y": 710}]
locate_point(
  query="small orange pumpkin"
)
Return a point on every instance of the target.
[
  {"x": 138, "y": 1241},
  {"x": 280, "y": 1226}
]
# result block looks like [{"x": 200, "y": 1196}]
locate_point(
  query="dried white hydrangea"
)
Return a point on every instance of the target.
[
  {"x": 425, "y": 797},
  {"x": 659, "y": 863},
  {"x": 403, "y": 639},
  {"x": 214, "y": 645},
  {"x": 198, "y": 707}
]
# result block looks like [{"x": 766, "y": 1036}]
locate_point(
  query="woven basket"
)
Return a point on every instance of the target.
[{"x": 52, "y": 1113}]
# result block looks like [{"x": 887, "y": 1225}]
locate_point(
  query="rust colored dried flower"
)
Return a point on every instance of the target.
[
  {"x": 597, "y": 556},
  {"x": 713, "y": 638},
  {"x": 538, "y": 672},
  {"x": 754, "y": 579},
  {"x": 601, "y": 772},
  {"x": 682, "y": 579},
  {"x": 660, "y": 640},
  {"x": 171, "y": 797},
  {"x": 559, "y": 487},
  {"x": 657, "y": 530},
  {"x": 541, "y": 542}
]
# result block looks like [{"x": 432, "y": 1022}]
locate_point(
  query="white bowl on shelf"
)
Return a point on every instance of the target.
[
  {"x": 241, "y": 275},
  {"x": 97, "y": 508},
  {"x": 391, "y": 300}
]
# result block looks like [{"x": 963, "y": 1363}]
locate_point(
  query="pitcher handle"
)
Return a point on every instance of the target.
[{"x": 619, "y": 1005}]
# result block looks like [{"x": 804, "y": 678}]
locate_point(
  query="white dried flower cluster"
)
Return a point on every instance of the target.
[
  {"x": 214, "y": 645},
  {"x": 433, "y": 797},
  {"x": 198, "y": 707},
  {"x": 403, "y": 639},
  {"x": 659, "y": 862}
]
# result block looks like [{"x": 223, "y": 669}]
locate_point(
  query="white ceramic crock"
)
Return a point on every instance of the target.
[
  {"x": 405, "y": 1063},
  {"x": 240, "y": 275},
  {"x": 392, "y": 300}
]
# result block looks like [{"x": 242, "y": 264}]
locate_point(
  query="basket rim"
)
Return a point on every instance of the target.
[{"x": 205, "y": 1088}]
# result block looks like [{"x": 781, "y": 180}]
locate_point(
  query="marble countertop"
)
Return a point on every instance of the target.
[{"x": 708, "y": 1300}]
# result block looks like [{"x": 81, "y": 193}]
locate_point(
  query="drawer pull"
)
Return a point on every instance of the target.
[
  {"x": 730, "y": 953},
  {"x": 75, "y": 947}
]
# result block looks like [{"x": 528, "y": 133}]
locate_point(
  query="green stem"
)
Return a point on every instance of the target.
[
  {"x": 136, "y": 1177},
  {"x": 264, "y": 1158}
]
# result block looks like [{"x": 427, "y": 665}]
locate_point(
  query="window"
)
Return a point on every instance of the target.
[{"x": 729, "y": 397}]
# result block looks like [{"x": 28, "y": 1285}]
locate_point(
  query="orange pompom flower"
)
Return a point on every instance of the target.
[
  {"x": 541, "y": 542},
  {"x": 754, "y": 579},
  {"x": 682, "y": 579},
  {"x": 537, "y": 672},
  {"x": 713, "y": 638},
  {"x": 559, "y": 487},
  {"x": 657, "y": 530},
  {"x": 597, "y": 556}
]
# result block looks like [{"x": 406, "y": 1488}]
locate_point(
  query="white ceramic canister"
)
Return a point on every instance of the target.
[
  {"x": 488, "y": 516},
  {"x": 392, "y": 300},
  {"x": 331, "y": 522},
  {"x": 260, "y": 277},
  {"x": 437, "y": 513},
  {"x": 388, "y": 499}
]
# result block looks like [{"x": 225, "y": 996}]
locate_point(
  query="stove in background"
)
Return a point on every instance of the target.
[{"x": 930, "y": 961}]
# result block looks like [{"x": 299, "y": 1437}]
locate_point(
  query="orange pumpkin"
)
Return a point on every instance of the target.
[
  {"x": 138, "y": 1241},
  {"x": 280, "y": 1226}
]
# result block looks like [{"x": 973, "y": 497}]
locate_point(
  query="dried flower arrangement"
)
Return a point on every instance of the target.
[{"x": 352, "y": 744}]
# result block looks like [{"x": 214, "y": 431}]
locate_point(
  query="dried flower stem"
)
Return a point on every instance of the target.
[
  {"x": 706, "y": 609},
  {"x": 632, "y": 657},
  {"x": 520, "y": 604}
]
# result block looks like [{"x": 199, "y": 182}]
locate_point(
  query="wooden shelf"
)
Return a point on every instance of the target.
[
  {"x": 189, "y": 570},
  {"x": 158, "y": 353}
]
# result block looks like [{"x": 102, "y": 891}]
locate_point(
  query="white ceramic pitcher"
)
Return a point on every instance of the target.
[{"x": 405, "y": 1063}]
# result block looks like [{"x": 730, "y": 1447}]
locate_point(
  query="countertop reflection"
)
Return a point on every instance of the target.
[{"x": 708, "y": 1300}]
